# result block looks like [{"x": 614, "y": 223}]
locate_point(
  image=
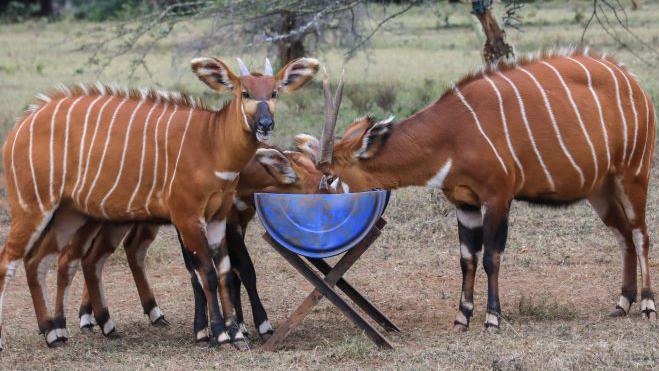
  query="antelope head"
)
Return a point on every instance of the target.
[
  {"x": 255, "y": 93},
  {"x": 345, "y": 163},
  {"x": 274, "y": 170}
]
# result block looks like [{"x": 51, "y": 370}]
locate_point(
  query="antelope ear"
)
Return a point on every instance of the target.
[
  {"x": 296, "y": 73},
  {"x": 375, "y": 138},
  {"x": 214, "y": 73},
  {"x": 307, "y": 144},
  {"x": 277, "y": 165}
]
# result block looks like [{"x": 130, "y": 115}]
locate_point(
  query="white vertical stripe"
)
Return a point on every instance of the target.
[
  {"x": 123, "y": 156},
  {"x": 180, "y": 149},
  {"x": 155, "y": 160},
  {"x": 581, "y": 124},
  {"x": 164, "y": 176},
  {"x": 52, "y": 154},
  {"x": 13, "y": 162},
  {"x": 504, "y": 122},
  {"x": 522, "y": 110},
  {"x": 599, "y": 110},
  {"x": 633, "y": 104},
  {"x": 105, "y": 148},
  {"x": 622, "y": 114},
  {"x": 554, "y": 124},
  {"x": 647, "y": 134},
  {"x": 82, "y": 143},
  {"x": 66, "y": 143},
  {"x": 91, "y": 146},
  {"x": 145, "y": 127},
  {"x": 34, "y": 177},
  {"x": 480, "y": 129}
]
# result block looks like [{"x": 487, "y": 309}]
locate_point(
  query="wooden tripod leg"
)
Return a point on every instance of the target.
[
  {"x": 332, "y": 296},
  {"x": 368, "y": 307}
]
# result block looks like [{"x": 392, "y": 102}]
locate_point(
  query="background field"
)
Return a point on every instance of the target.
[{"x": 560, "y": 275}]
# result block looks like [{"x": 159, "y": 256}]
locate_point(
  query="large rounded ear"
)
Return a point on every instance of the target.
[
  {"x": 296, "y": 73},
  {"x": 214, "y": 73},
  {"x": 309, "y": 145},
  {"x": 277, "y": 165},
  {"x": 375, "y": 138}
]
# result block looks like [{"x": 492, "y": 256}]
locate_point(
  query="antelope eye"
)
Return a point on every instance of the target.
[
  {"x": 245, "y": 95},
  {"x": 274, "y": 94}
]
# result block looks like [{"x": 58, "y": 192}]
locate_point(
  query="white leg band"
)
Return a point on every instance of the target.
[
  {"x": 624, "y": 303},
  {"x": 491, "y": 319},
  {"x": 108, "y": 327},
  {"x": 265, "y": 327},
  {"x": 86, "y": 320},
  {"x": 223, "y": 338},
  {"x": 154, "y": 314}
]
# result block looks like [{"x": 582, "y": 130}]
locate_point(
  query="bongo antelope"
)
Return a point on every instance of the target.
[
  {"x": 552, "y": 129},
  {"x": 69, "y": 156},
  {"x": 269, "y": 170}
]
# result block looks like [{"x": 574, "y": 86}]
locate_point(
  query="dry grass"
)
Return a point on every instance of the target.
[{"x": 560, "y": 276}]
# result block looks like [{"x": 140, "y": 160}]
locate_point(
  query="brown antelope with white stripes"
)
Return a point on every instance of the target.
[
  {"x": 554, "y": 128},
  {"x": 72, "y": 155},
  {"x": 270, "y": 170}
]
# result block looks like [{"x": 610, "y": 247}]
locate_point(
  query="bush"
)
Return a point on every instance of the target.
[{"x": 103, "y": 10}]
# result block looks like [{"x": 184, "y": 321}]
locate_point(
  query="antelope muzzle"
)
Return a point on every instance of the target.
[{"x": 264, "y": 121}]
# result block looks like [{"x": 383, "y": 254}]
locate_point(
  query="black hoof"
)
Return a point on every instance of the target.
[
  {"x": 161, "y": 322},
  {"x": 240, "y": 344},
  {"x": 87, "y": 329},
  {"x": 266, "y": 336},
  {"x": 459, "y": 327},
  {"x": 57, "y": 343},
  {"x": 649, "y": 315},
  {"x": 618, "y": 312}
]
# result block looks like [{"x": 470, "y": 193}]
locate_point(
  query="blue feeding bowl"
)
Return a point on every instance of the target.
[{"x": 320, "y": 225}]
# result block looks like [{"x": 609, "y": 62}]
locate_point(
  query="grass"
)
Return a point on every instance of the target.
[{"x": 560, "y": 275}]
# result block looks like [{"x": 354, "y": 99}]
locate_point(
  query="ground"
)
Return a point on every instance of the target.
[{"x": 560, "y": 275}]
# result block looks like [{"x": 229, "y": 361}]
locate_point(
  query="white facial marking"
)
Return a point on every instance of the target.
[
  {"x": 215, "y": 232},
  {"x": 265, "y": 327},
  {"x": 154, "y": 314},
  {"x": 229, "y": 176},
  {"x": 180, "y": 149},
  {"x": 437, "y": 181},
  {"x": 225, "y": 265},
  {"x": 624, "y": 303},
  {"x": 552, "y": 118},
  {"x": 346, "y": 187},
  {"x": 470, "y": 219}
]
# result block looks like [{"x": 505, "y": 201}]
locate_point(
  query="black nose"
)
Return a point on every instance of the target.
[{"x": 266, "y": 124}]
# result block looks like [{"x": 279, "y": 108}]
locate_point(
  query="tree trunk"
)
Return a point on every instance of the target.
[
  {"x": 495, "y": 46},
  {"x": 291, "y": 47},
  {"x": 46, "y": 9}
]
